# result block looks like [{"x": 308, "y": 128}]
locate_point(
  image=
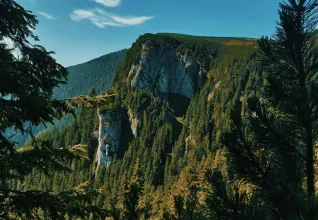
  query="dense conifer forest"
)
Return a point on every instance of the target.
[
  {"x": 243, "y": 147},
  {"x": 97, "y": 74}
]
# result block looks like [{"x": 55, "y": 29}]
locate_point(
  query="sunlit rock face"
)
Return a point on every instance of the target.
[
  {"x": 160, "y": 69},
  {"x": 109, "y": 134},
  {"x": 133, "y": 123},
  {"x": 164, "y": 71}
]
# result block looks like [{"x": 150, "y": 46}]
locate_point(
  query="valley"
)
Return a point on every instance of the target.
[{"x": 175, "y": 127}]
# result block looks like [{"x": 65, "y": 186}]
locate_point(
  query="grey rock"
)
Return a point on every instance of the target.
[
  {"x": 109, "y": 134},
  {"x": 164, "y": 71},
  {"x": 160, "y": 70}
]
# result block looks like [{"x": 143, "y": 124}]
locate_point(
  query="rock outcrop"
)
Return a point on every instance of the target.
[
  {"x": 109, "y": 134},
  {"x": 164, "y": 71},
  {"x": 133, "y": 123}
]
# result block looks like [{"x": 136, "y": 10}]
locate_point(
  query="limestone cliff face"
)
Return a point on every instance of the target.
[
  {"x": 164, "y": 71},
  {"x": 160, "y": 69},
  {"x": 109, "y": 134},
  {"x": 133, "y": 123}
]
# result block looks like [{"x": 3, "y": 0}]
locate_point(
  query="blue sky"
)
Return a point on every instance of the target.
[{"x": 80, "y": 30}]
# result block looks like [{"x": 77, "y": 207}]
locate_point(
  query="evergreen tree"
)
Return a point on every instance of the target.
[
  {"x": 224, "y": 202},
  {"x": 131, "y": 195},
  {"x": 26, "y": 98},
  {"x": 290, "y": 61},
  {"x": 272, "y": 145}
]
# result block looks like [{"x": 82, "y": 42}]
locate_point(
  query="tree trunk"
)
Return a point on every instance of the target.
[{"x": 310, "y": 161}]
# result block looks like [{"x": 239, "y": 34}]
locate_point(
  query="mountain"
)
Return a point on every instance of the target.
[
  {"x": 186, "y": 135},
  {"x": 175, "y": 96},
  {"x": 97, "y": 73},
  {"x": 170, "y": 66}
]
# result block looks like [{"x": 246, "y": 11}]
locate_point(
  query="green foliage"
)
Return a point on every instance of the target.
[
  {"x": 131, "y": 194},
  {"x": 292, "y": 57},
  {"x": 225, "y": 202},
  {"x": 162, "y": 145},
  {"x": 97, "y": 73},
  {"x": 241, "y": 151},
  {"x": 205, "y": 49},
  {"x": 271, "y": 143},
  {"x": 74, "y": 202},
  {"x": 26, "y": 95}
]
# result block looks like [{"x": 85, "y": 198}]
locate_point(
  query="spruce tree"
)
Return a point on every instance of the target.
[
  {"x": 26, "y": 100},
  {"x": 271, "y": 142},
  {"x": 290, "y": 62},
  {"x": 130, "y": 209}
]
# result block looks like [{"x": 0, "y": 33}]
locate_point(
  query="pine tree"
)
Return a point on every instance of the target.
[
  {"x": 130, "y": 209},
  {"x": 26, "y": 100},
  {"x": 271, "y": 142},
  {"x": 290, "y": 61}
]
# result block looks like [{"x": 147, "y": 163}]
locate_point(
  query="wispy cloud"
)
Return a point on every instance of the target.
[
  {"x": 131, "y": 20},
  {"x": 102, "y": 19},
  {"x": 46, "y": 15},
  {"x": 109, "y": 3}
]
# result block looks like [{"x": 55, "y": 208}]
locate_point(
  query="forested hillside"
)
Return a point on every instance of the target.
[
  {"x": 173, "y": 149},
  {"x": 97, "y": 73},
  {"x": 197, "y": 128}
]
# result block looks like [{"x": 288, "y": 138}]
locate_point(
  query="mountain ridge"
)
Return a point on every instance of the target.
[
  {"x": 97, "y": 73},
  {"x": 173, "y": 141}
]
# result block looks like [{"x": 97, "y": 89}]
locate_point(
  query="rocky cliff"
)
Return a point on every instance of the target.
[
  {"x": 162, "y": 65},
  {"x": 109, "y": 134},
  {"x": 163, "y": 70},
  {"x": 116, "y": 130}
]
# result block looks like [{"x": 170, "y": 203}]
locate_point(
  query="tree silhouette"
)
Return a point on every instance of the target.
[
  {"x": 271, "y": 143},
  {"x": 26, "y": 89}
]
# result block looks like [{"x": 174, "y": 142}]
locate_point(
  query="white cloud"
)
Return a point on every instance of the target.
[
  {"x": 80, "y": 14},
  {"x": 46, "y": 15},
  {"x": 101, "y": 18},
  {"x": 109, "y": 3},
  {"x": 131, "y": 20}
]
